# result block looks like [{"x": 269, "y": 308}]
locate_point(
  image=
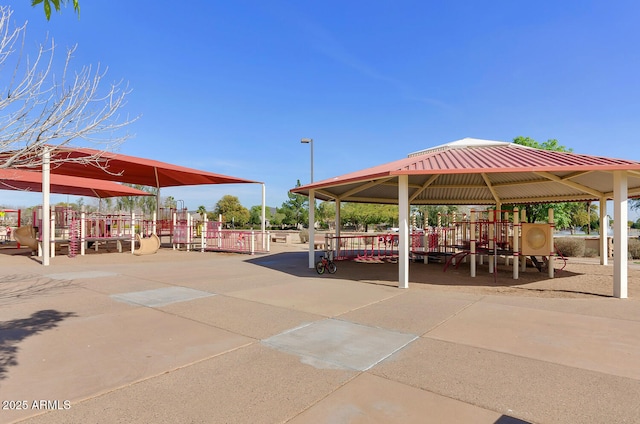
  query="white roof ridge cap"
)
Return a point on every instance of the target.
[{"x": 466, "y": 142}]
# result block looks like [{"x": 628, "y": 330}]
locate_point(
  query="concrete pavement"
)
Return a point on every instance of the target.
[{"x": 196, "y": 337}]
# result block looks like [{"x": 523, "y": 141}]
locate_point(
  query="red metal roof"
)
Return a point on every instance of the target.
[
  {"x": 16, "y": 179},
  {"x": 472, "y": 171}
]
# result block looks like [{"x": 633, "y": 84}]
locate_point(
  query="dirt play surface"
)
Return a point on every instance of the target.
[{"x": 581, "y": 277}]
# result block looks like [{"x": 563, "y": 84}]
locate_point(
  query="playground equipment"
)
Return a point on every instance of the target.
[
  {"x": 26, "y": 235},
  {"x": 490, "y": 234},
  {"x": 148, "y": 245}
]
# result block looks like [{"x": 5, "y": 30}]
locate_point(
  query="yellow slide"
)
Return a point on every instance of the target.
[
  {"x": 26, "y": 236},
  {"x": 148, "y": 245}
]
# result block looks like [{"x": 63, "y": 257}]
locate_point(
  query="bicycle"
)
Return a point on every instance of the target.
[{"x": 326, "y": 263}]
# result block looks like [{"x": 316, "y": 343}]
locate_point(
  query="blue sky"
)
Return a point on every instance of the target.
[{"x": 231, "y": 86}]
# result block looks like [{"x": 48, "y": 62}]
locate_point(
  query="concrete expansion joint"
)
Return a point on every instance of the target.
[{"x": 455, "y": 314}]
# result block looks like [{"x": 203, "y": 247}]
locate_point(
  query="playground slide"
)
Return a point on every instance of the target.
[
  {"x": 148, "y": 246},
  {"x": 26, "y": 236}
]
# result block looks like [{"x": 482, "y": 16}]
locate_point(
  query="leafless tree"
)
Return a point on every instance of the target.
[{"x": 41, "y": 107}]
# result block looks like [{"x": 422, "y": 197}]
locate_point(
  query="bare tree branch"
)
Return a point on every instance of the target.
[{"x": 41, "y": 108}]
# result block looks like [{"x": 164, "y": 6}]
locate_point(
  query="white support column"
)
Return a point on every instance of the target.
[
  {"x": 337, "y": 224},
  {"x": 46, "y": 206},
  {"x": 312, "y": 233},
  {"x": 604, "y": 236},
  {"x": 472, "y": 243},
  {"x": 516, "y": 244},
  {"x": 154, "y": 224},
  {"x": 403, "y": 232},
  {"x": 263, "y": 216},
  {"x": 523, "y": 259},
  {"x": 620, "y": 235},
  {"x": 552, "y": 250}
]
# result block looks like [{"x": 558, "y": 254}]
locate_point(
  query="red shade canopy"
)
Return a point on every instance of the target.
[
  {"x": 131, "y": 169},
  {"x": 16, "y": 179}
]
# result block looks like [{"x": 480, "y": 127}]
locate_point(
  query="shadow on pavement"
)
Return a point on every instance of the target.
[
  {"x": 14, "y": 331},
  {"x": 17, "y": 287}
]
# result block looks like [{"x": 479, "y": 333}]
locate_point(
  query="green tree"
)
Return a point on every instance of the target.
[
  {"x": 202, "y": 211},
  {"x": 146, "y": 204},
  {"x": 295, "y": 210},
  {"x": 170, "y": 203},
  {"x": 551, "y": 144},
  {"x": 232, "y": 211},
  {"x": 56, "y": 5},
  {"x": 539, "y": 212},
  {"x": 325, "y": 214},
  {"x": 431, "y": 213},
  {"x": 256, "y": 215},
  {"x": 364, "y": 214}
]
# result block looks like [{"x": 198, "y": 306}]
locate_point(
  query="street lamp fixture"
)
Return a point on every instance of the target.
[{"x": 310, "y": 142}]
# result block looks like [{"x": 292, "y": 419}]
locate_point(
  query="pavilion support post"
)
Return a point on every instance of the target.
[
  {"x": 552, "y": 250},
  {"x": 312, "y": 233},
  {"x": 46, "y": 206},
  {"x": 523, "y": 259},
  {"x": 263, "y": 216},
  {"x": 472, "y": 243},
  {"x": 515, "y": 244},
  {"x": 621, "y": 240},
  {"x": 337, "y": 224},
  {"x": 604, "y": 236},
  {"x": 403, "y": 231}
]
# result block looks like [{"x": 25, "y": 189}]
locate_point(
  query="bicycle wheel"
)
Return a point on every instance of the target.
[
  {"x": 331, "y": 267},
  {"x": 320, "y": 267}
]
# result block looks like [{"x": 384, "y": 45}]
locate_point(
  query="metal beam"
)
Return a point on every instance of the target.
[
  {"x": 490, "y": 187},
  {"x": 571, "y": 184},
  {"x": 362, "y": 187},
  {"x": 423, "y": 187}
]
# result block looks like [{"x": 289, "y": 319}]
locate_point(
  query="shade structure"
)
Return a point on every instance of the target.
[
  {"x": 483, "y": 172},
  {"x": 131, "y": 169},
  {"x": 487, "y": 172},
  {"x": 17, "y": 179},
  {"x": 101, "y": 165}
]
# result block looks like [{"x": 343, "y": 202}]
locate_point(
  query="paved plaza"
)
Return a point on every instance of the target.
[{"x": 191, "y": 337}]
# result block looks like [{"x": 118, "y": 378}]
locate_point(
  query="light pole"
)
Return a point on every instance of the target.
[
  {"x": 312, "y": 208},
  {"x": 310, "y": 142}
]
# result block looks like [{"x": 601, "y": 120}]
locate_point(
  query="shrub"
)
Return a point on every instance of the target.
[
  {"x": 570, "y": 246},
  {"x": 304, "y": 235},
  {"x": 634, "y": 248},
  {"x": 590, "y": 253}
]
